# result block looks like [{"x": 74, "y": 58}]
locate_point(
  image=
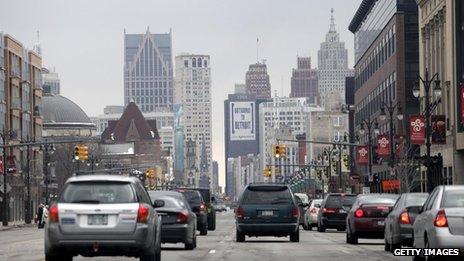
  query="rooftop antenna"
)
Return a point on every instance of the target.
[
  {"x": 37, "y": 47},
  {"x": 282, "y": 85},
  {"x": 332, "y": 21},
  {"x": 257, "y": 45}
]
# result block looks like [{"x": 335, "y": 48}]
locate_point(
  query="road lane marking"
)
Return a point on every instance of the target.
[{"x": 212, "y": 251}]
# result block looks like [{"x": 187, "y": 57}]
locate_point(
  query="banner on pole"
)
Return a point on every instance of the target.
[
  {"x": 362, "y": 155},
  {"x": 383, "y": 145},
  {"x": 417, "y": 129},
  {"x": 438, "y": 129}
]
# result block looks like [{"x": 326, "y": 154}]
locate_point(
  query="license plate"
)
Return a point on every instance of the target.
[
  {"x": 97, "y": 220},
  {"x": 267, "y": 213},
  {"x": 381, "y": 223}
]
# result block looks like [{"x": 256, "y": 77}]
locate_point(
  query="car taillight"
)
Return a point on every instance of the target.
[
  {"x": 142, "y": 214},
  {"x": 359, "y": 213},
  {"x": 404, "y": 218},
  {"x": 202, "y": 207},
  {"x": 182, "y": 217},
  {"x": 295, "y": 212},
  {"x": 313, "y": 211},
  {"x": 239, "y": 213},
  {"x": 440, "y": 219},
  {"x": 53, "y": 214}
]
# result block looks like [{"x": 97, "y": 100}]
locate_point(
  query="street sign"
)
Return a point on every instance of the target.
[
  {"x": 366, "y": 190},
  {"x": 390, "y": 184}
]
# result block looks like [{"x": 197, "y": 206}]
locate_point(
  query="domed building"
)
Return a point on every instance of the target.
[{"x": 62, "y": 118}]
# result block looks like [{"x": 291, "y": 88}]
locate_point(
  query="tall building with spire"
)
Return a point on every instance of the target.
[
  {"x": 257, "y": 81},
  {"x": 332, "y": 63},
  {"x": 148, "y": 72}
]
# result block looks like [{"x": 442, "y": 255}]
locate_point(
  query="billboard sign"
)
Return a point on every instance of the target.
[{"x": 242, "y": 121}]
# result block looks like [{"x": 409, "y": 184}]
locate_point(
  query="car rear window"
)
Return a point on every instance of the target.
[
  {"x": 192, "y": 196},
  {"x": 377, "y": 199},
  {"x": 170, "y": 202},
  {"x": 92, "y": 192},
  {"x": 337, "y": 201},
  {"x": 205, "y": 193},
  {"x": 416, "y": 200},
  {"x": 454, "y": 199},
  {"x": 266, "y": 195}
]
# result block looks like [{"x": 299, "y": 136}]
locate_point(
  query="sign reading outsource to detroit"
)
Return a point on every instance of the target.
[{"x": 242, "y": 121}]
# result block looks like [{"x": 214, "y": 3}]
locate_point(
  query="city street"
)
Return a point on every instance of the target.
[{"x": 27, "y": 244}]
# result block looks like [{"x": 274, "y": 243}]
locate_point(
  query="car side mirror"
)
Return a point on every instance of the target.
[{"x": 158, "y": 203}]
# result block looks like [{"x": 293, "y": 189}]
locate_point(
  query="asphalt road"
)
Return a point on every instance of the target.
[{"x": 27, "y": 244}]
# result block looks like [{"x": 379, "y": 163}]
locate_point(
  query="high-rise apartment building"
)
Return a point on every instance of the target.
[
  {"x": 332, "y": 63},
  {"x": 257, "y": 81},
  {"x": 304, "y": 80},
  {"x": 148, "y": 72},
  {"x": 193, "y": 92}
]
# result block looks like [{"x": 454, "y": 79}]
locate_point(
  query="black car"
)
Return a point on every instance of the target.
[
  {"x": 267, "y": 210},
  {"x": 178, "y": 220},
  {"x": 399, "y": 223},
  {"x": 333, "y": 211},
  {"x": 198, "y": 206}
]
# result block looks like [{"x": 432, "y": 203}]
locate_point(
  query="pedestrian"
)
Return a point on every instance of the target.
[{"x": 39, "y": 216}]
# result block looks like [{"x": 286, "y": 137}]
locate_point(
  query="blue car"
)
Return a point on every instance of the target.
[{"x": 267, "y": 210}]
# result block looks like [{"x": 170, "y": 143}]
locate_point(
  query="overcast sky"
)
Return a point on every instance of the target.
[{"x": 83, "y": 40}]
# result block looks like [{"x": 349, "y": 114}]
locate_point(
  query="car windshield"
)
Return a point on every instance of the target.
[
  {"x": 266, "y": 195},
  {"x": 416, "y": 200},
  {"x": 92, "y": 192},
  {"x": 454, "y": 199},
  {"x": 337, "y": 201},
  {"x": 192, "y": 196},
  {"x": 205, "y": 193}
]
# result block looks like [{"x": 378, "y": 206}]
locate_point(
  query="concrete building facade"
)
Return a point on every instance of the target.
[
  {"x": 257, "y": 81},
  {"x": 304, "y": 80}
]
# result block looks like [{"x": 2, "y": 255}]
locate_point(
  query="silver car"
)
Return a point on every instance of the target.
[
  {"x": 310, "y": 215},
  {"x": 440, "y": 223},
  {"x": 103, "y": 215}
]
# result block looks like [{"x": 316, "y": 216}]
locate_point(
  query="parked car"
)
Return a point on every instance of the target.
[
  {"x": 398, "y": 224},
  {"x": 334, "y": 209},
  {"x": 178, "y": 220},
  {"x": 267, "y": 210},
  {"x": 208, "y": 201},
  {"x": 310, "y": 215},
  {"x": 440, "y": 223},
  {"x": 302, "y": 207},
  {"x": 366, "y": 219},
  {"x": 103, "y": 215},
  {"x": 197, "y": 204}
]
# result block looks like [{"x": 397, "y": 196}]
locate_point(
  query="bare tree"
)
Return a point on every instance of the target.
[{"x": 408, "y": 169}]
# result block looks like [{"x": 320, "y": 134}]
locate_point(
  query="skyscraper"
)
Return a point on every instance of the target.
[
  {"x": 332, "y": 63},
  {"x": 257, "y": 81},
  {"x": 304, "y": 80},
  {"x": 193, "y": 92},
  {"x": 51, "y": 81},
  {"x": 148, "y": 72}
]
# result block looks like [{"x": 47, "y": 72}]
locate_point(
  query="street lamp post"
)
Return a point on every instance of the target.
[
  {"x": 93, "y": 162},
  {"x": 372, "y": 125},
  {"x": 427, "y": 83},
  {"x": 28, "y": 206},
  {"x": 6, "y": 135},
  {"x": 390, "y": 108},
  {"x": 48, "y": 150}
]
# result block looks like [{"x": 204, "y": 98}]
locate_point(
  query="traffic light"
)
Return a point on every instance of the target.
[
  {"x": 345, "y": 163},
  {"x": 334, "y": 168},
  {"x": 267, "y": 172},
  {"x": 81, "y": 152},
  {"x": 279, "y": 150},
  {"x": 319, "y": 174},
  {"x": 150, "y": 173}
]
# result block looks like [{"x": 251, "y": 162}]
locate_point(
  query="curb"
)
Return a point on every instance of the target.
[{"x": 13, "y": 226}]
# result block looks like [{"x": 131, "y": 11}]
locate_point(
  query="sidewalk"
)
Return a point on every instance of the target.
[{"x": 15, "y": 224}]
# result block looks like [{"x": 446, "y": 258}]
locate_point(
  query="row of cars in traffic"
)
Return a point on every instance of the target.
[
  {"x": 108, "y": 215},
  {"x": 419, "y": 220}
]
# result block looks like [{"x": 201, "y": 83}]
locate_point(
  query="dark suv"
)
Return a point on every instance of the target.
[
  {"x": 267, "y": 210},
  {"x": 333, "y": 211},
  {"x": 198, "y": 206},
  {"x": 209, "y": 201}
]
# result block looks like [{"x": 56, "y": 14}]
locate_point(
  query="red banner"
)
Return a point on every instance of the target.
[
  {"x": 1, "y": 165},
  {"x": 362, "y": 155},
  {"x": 461, "y": 93},
  {"x": 438, "y": 129},
  {"x": 417, "y": 129},
  {"x": 383, "y": 145},
  {"x": 390, "y": 184}
]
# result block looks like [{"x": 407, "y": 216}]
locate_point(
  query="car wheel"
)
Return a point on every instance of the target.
[
  {"x": 427, "y": 245},
  {"x": 320, "y": 228},
  {"x": 310, "y": 227},
  {"x": 387, "y": 246},
  {"x": 204, "y": 230},
  {"x": 212, "y": 221},
  {"x": 305, "y": 226},
  {"x": 239, "y": 236},
  {"x": 295, "y": 236},
  {"x": 58, "y": 257},
  {"x": 350, "y": 237}
]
